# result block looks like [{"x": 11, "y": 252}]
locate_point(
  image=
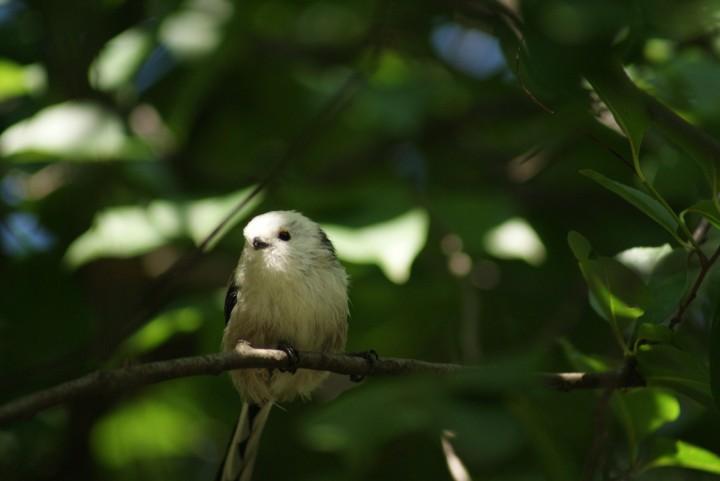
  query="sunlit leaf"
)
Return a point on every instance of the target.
[
  {"x": 193, "y": 32},
  {"x": 470, "y": 217},
  {"x": 391, "y": 245},
  {"x": 204, "y": 215},
  {"x": 666, "y": 453},
  {"x": 75, "y": 130},
  {"x": 644, "y": 411},
  {"x": 644, "y": 260},
  {"x": 129, "y": 231},
  {"x": 160, "y": 329},
  {"x": 12, "y": 82},
  {"x": 585, "y": 362},
  {"x": 126, "y": 232},
  {"x": 668, "y": 367},
  {"x": 616, "y": 292},
  {"x": 655, "y": 332},
  {"x": 515, "y": 239},
  {"x": 120, "y": 59},
  {"x": 145, "y": 429},
  {"x": 17, "y": 80},
  {"x": 665, "y": 271},
  {"x": 649, "y": 206},
  {"x": 651, "y": 409}
]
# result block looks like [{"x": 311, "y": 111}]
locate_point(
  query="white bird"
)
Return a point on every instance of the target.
[{"x": 288, "y": 290}]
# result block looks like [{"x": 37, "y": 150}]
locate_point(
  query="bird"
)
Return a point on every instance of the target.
[{"x": 288, "y": 291}]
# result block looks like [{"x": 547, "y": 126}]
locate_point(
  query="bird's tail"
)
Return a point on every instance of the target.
[{"x": 240, "y": 458}]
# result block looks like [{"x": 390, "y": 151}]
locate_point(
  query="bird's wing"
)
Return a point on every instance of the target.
[{"x": 231, "y": 297}]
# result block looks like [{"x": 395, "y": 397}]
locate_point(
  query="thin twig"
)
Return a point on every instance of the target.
[
  {"x": 627, "y": 376},
  {"x": 245, "y": 357},
  {"x": 599, "y": 445},
  {"x": 701, "y": 231},
  {"x": 704, "y": 269},
  {"x": 549, "y": 110},
  {"x": 570, "y": 381}
]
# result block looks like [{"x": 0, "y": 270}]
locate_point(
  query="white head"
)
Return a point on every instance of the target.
[{"x": 287, "y": 240}]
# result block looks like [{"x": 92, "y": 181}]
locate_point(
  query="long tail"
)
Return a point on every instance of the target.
[{"x": 240, "y": 458}]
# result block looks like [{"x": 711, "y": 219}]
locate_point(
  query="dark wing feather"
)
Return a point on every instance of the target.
[
  {"x": 231, "y": 297},
  {"x": 326, "y": 242}
]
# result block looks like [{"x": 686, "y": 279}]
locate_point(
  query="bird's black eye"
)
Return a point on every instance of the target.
[{"x": 284, "y": 235}]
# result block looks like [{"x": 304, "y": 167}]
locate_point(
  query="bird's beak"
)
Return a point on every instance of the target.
[{"x": 259, "y": 244}]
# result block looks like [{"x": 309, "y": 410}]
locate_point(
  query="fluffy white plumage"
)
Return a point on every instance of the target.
[{"x": 288, "y": 286}]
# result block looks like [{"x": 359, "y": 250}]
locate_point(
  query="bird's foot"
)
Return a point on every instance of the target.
[
  {"x": 370, "y": 356},
  {"x": 293, "y": 356}
]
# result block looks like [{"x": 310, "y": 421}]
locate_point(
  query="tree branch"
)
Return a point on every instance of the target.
[
  {"x": 245, "y": 357},
  {"x": 570, "y": 381}
]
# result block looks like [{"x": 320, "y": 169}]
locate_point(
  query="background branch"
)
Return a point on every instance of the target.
[{"x": 246, "y": 356}]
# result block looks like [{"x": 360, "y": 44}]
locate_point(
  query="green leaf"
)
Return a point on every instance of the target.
[
  {"x": 651, "y": 409},
  {"x": 668, "y": 367},
  {"x": 646, "y": 260},
  {"x": 707, "y": 209},
  {"x": 642, "y": 412},
  {"x": 649, "y": 206},
  {"x": 146, "y": 428},
  {"x": 515, "y": 239},
  {"x": 579, "y": 245},
  {"x": 13, "y": 79},
  {"x": 181, "y": 320},
  {"x": 655, "y": 332},
  {"x": 702, "y": 148},
  {"x": 667, "y": 452},
  {"x": 714, "y": 356},
  {"x": 635, "y": 112},
  {"x": 129, "y": 231},
  {"x": 616, "y": 292},
  {"x": 585, "y": 362},
  {"x": 79, "y": 130},
  {"x": 665, "y": 271},
  {"x": 120, "y": 59},
  {"x": 624, "y": 100}
]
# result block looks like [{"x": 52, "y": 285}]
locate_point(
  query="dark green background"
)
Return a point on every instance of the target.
[{"x": 370, "y": 109}]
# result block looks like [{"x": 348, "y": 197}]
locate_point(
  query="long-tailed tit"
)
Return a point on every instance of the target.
[{"x": 288, "y": 289}]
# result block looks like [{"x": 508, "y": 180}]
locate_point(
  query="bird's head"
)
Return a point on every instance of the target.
[{"x": 287, "y": 239}]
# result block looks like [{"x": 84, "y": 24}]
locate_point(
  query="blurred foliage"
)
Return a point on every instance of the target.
[{"x": 442, "y": 145}]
